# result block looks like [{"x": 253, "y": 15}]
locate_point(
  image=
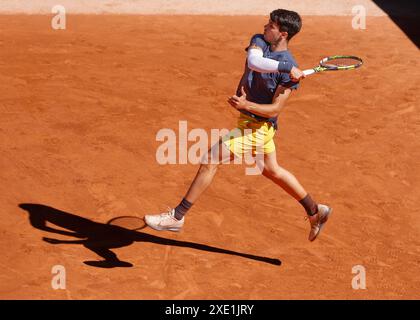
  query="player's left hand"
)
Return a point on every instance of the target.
[{"x": 239, "y": 103}]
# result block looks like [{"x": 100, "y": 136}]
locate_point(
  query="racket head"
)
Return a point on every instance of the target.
[
  {"x": 340, "y": 62},
  {"x": 132, "y": 223}
]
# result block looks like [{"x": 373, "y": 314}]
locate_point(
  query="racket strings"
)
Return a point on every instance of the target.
[{"x": 341, "y": 62}]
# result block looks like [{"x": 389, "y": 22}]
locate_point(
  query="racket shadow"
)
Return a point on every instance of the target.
[{"x": 102, "y": 237}]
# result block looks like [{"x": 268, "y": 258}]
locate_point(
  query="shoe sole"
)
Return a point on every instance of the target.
[
  {"x": 166, "y": 229},
  {"x": 324, "y": 221}
]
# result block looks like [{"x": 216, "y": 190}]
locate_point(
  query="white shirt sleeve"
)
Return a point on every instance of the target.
[{"x": 257, "y": 62}]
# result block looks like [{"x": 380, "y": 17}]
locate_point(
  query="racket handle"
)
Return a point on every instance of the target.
[{"x": 308, "y": 72}]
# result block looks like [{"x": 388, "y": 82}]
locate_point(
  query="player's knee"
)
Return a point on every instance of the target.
[
  {"x": 210, "y": 158},
  {"x": 208, "y": 168},
  {"x": 269, "y": 171},
  {"x": 275, "y": 172},
  {"x": 283, "y": 174}
]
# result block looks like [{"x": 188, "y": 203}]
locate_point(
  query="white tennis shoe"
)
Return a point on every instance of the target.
[
  {"x": 318, "y": 221},
  {"x": 165, "y": 221}
]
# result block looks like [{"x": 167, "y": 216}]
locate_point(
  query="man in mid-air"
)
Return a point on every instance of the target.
[{"x": 271, "y": 74}]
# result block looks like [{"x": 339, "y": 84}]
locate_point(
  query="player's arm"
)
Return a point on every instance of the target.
[
  {"x": 264, "y": 110},
  {"x": 258, "y": 63}
]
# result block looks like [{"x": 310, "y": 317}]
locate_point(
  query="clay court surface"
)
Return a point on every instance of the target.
[{"x": 80, "y": 111}]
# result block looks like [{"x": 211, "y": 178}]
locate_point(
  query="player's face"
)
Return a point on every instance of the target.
[{"x": 272, "y": 32}]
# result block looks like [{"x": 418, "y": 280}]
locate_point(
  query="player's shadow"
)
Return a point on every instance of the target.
[{"x": 101, "y": 237}]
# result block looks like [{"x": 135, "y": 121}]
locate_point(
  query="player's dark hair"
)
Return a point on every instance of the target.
[{"x": 288, "y": 21}]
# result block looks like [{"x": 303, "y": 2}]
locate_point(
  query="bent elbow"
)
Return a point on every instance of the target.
[
  {"x": 252, "y": 64},
  {"x": 275, "y": 112}
]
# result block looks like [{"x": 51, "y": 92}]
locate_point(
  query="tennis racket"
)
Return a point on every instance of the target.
[{"x": 334, "y": 63}]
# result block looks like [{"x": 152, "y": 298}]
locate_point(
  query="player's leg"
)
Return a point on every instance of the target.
[
  {"x": 215, "y": 156},
  {"x": 283, "y": 178},
  {"x": 173, "y": 220},
  {"x": 317, "y": 213}
]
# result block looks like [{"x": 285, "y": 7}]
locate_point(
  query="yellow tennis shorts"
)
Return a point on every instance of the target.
[{"x": 250, "y": 135}]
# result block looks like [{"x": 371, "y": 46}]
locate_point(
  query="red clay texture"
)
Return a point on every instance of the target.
[{"x": 80, "y": 112}]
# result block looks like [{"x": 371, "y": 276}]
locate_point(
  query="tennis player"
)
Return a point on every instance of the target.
[{"x": 270, "y": 76}]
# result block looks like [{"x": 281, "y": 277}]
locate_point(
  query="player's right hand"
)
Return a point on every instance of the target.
[{"x": 296, "y": 74}]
